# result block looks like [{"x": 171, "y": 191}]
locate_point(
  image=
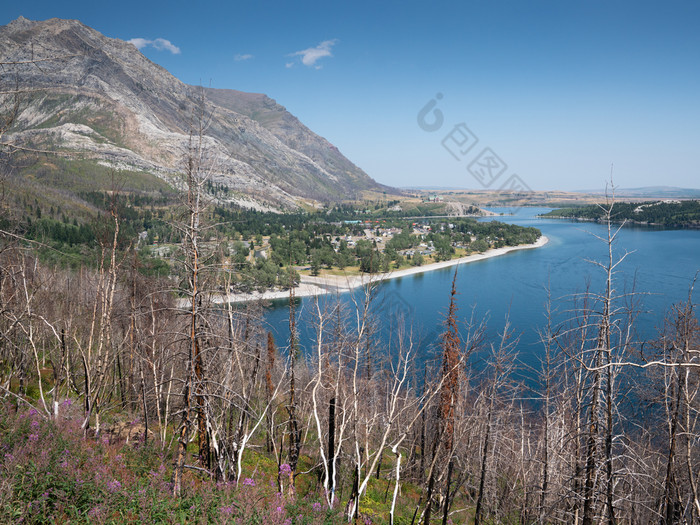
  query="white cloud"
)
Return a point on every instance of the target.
[
  {"x": 161, "y": 44},
  {"x": 140, "y": 43},
  {"x": 289, "y": 65},
  {"x": 241, "y": 58},
  {"x": 310, "y": 56}
]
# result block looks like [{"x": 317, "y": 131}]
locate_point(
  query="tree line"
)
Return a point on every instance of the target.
[
  {"x": 672, "y": 214},
  {"x": 291, "y": 240}
]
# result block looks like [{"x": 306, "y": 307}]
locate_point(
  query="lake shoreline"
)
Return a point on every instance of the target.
[
  {"x": 625, "y": 222},
  {"x": 331, "y": 284}
]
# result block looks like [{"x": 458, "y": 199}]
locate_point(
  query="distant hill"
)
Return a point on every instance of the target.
[
  {"x": 102, "y": 100},
  {"x": 651, "y": 192},
  {"x": 668, "y": 213}
]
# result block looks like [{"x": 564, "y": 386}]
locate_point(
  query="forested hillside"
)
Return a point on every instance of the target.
[{"x": 669, "y": 213}]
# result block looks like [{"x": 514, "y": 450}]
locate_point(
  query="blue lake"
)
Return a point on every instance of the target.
[{"x": 660, "y": 266}]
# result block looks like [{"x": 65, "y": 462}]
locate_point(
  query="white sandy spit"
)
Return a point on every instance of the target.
[{"x": 310, "y": 286}]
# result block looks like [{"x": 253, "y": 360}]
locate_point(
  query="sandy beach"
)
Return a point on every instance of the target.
[{"x": 310, "y": 286}]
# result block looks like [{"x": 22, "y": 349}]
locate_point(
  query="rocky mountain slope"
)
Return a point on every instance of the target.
[{"x": 102, "y": 99}]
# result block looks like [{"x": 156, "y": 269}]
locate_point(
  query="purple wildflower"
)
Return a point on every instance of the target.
[
  {"x": 113, "y": 486},
  {"x": 95, "y": 512}
]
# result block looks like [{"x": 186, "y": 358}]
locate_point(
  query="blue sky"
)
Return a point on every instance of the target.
[{"x": 558, "y": 90}]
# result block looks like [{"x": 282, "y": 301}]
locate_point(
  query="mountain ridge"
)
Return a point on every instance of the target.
[{"x": 102, "y": 98}]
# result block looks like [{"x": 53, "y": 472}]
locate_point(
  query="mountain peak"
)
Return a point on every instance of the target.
[
  {"x": 20, "y": 24},
  {"x": 25, "y": 24}
]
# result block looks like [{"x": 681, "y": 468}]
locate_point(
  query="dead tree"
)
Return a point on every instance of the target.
[
  {"x": 501, "y": 366},
  {"x": 293, "y": 423},
  {"x": 197, "y": 173}
]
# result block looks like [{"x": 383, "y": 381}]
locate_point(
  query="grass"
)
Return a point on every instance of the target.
[
  {"x": 81, "y": 109},
  {"x": 57, "y": 183},
  {"x": 79, "y": 175}
]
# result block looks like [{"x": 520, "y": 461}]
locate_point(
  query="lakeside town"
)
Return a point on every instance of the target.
[{"x": 275, "y": 257}]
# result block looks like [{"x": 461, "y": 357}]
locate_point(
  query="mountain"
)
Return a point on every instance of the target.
[{"x": 104, "y": 102}]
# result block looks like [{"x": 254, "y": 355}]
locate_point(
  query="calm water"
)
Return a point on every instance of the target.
[{"x": 661, "y": 264}]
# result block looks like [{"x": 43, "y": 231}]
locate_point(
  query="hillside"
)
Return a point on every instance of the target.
[
  {"x": 667, "y": 213},
  {"x": 100, "y": 100}
]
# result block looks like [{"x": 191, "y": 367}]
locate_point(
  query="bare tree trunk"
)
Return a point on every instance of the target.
[
  {"x": 478, "y": 513},
  {"x": 548, "y": 376},
  {"x": 669, "y": 479},
  {"x": 392, "y": 511},
  {"x": 145, "y": 407},
  {"x": 695, "y": 513},
  {"x": 270, "y": 363},
  {"x": 202, "y": 427},
  {"x": 448, "y": 481},
  {"x": 429, "y": 498},
  {"x": 591, "y": 453},
  {"x": 132, "y": 332},
  {"x": 450, "y": 388},
  {"x": 421, "y": 466},
  {"x": 183, "y": 439},
  {"x": 294, "y": 431},
  {"x": 331, "y": 442}
]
